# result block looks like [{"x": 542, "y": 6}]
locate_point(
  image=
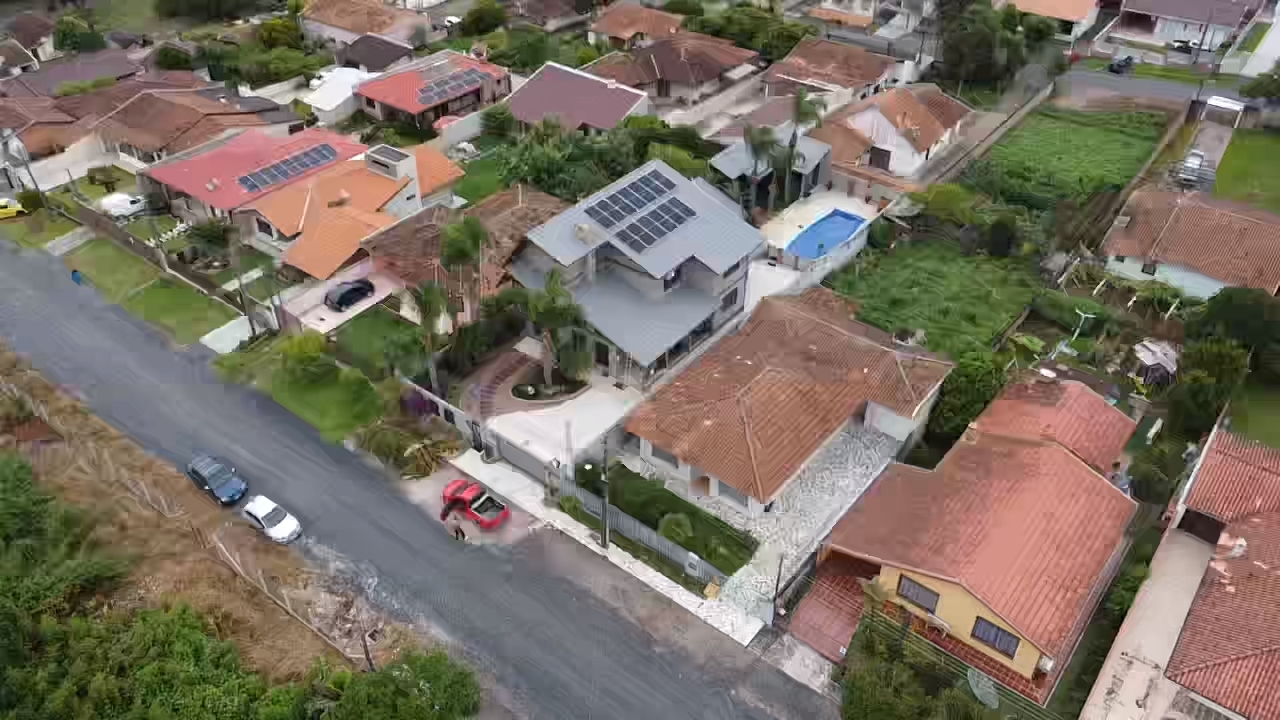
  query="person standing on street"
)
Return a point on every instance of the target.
[{"x": 450, "y": 517}]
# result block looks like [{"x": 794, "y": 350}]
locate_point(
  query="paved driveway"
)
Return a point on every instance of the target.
[
  {"x": 1078, "y": 80},
  {"x": 544, "y": 620}
]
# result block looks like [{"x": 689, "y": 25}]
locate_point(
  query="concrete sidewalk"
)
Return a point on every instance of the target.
[{"x": 527, "y": 494}]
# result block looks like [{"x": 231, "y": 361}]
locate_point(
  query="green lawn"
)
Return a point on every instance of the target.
[
  {"x": 51, "y": 225},
  {"x": 249, "y": 259},
  {"x": 1250, "y": 170},
  {"x": 961, "y": 302},
  {"x": 151, "y": 227},
  {"x": 128, "y": 183},
  {"x": 481, "y": 180},
  {"x": 113, "y": 270},
  {"x": 1255, "y": 413},
  {"x": 179, "y": 309},
  {"x": 361, "y": 340},
  {"x": 1254, "y": 38},
  {"x": 1066, "y": 153}
]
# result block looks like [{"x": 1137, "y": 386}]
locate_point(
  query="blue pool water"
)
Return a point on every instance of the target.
[{"x": 825, "y": 234}]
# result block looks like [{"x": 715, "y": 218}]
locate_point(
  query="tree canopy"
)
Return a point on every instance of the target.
[
  {"x": 753, "y": 27},
  {"x": 1266, "y": 85},
  {"x": 975, "y": 382},
  {"x": 984, "y": 45},
  {"x": 484, "y": 17}
]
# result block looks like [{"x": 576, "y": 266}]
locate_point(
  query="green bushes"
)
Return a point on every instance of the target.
[
  {"x": 1065, "y": 310},
  {"x": 30, "y": 200},
  {"x": 754, "y": 28},
  {"x": 676, "y": 527}
]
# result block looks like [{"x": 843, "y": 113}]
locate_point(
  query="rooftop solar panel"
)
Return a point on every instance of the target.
[{"x": 290, "y": 167}]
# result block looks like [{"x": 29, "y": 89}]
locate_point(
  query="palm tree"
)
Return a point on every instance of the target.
[
  {"x": 433, "y": 305},
  {"x": 804, "y": 111},
  {"x": 461, "y": 252},
  {"x": 550, "y": 310},
  {"x": 760, "y": 143}
]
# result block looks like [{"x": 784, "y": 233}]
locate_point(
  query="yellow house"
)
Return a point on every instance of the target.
[{"x": 1001, "y": 553}]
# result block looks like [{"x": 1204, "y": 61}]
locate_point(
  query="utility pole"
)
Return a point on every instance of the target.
[
  {"x": 604, "y": 505},
  {"x": 233, "y": 234}
]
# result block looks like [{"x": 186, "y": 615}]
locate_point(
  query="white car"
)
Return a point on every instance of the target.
[
  {"x": 271, "y": 519},
  {"x": 123, "y": 205}
]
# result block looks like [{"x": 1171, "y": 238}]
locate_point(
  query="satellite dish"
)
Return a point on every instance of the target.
[{"x": 984, "y": 688}]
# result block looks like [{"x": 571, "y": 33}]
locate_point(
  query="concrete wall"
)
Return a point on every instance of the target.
[
  {"x": 960, "y": 610},
  {"x": 1187, "y": 280},
  {"x": 344, "y": 110},
  {"x": 892, "y": 424}
]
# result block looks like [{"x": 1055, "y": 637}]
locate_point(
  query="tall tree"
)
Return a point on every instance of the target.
[
  {"x": 760, "y": 144},
  {"x": 805, "y": 110},
  {"x": 552, "y": 311},
  {"x": 462, "y": 252},
  {"x": 432, "y": 304}
]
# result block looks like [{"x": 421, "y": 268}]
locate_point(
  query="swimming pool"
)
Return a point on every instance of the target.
[{"x": 825, "y": 234}]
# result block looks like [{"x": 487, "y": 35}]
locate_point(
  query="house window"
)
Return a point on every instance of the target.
[
  {"x": 265, "y": 228},
  {"x": 724, "y": 491},
  {"x": 988, "y": 633},
  {"x": 665, "y": 456},
  {"x": 1119, "y": 258},
  {"x": 729, "y": 300},
  {"x": 1148, "y": 268},
  {"x": 732, "y": 269},
  {"x": 917, "y": 594},
  {"x": 879, "y": 158},
  {"x": 369, "y": 103}
]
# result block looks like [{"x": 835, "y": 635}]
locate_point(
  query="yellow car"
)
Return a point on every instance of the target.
[{"x": 10, "y": 208}]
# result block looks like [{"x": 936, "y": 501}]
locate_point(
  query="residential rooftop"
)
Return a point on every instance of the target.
[
  {"x": 30, "y": 29},
  {"x": 754, "y": 408},
  {"x": 1070, "y": 10},
  {"x": 13, "y": 55},
  {"x": 624, "y": 21},
  {"x": 430, "y": 81},
  {"x": 683, "y": 58},
  {"x": 575, "y": 98},
  {"x": 82, "y": 67},
  {"x": 375, "y": 53},
  {"x": 1228, "y": 13},
  {"x": 359, "y": 16},
  {"x": 1234, "y": 244},
  {"x": 177, "y": 120},
  {"x": 829, "y": 65}
]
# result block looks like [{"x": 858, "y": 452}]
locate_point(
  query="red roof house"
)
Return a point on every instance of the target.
[{"x": 440, "y": 84}]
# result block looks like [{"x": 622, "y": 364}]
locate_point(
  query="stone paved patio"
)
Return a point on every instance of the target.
[{"x": 803, "y": 516}]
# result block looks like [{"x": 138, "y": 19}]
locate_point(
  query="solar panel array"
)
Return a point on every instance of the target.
[
  {"x": 627, "y": 201},
  {"x": 451, "y": 86},
  {"x": 655, "y": 225},
  {"x": 289, "y": 168}
]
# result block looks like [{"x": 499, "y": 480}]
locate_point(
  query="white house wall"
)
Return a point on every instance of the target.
[
  {"x": 1188, "y": 281},
  {"x": 892, "y": 424}
]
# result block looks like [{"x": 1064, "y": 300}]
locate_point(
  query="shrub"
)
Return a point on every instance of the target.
[
  {"x": 880, "y": 235},
  {"x": 1062, "y": 309},
  {"x": 589, "y": 477},
  {"x": 586, "y": 54},
  {"x": 498, "y": 121},
  {"x": 31, "y": 200},
  {"x": 977, "y": 378},
  {"x": 304, "y": 359},
  {"x": 572, "y": 506},
  {"x": 486, "y": 16},
  {"x": 170, "y": 58},
  {"x": 684, "y": 7},
  {"x": 676, "y": 528}
]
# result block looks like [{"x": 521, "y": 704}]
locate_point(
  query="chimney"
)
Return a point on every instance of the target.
[{"x": 343, "y": 198}]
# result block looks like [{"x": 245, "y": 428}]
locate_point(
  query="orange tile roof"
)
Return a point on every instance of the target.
[
  {"x": 1228, "y": 242},
  {"x": 755, "y": 407},
  {"x": 358, "y": 16},
  {"x": 947, "y": 110},
  {"x": 1229, "y": 648},
  {"x": 623, "y": 20},
  {"x": 402, "y": 86},
  {"x": 435, "y": 171},
  {"x": 1073, "y": 10},
  {"x": 841, "y": 17},
  {"x": 1066, "y": 412},
  {"x": 826, "y": 63},
  {"x": 848, "y": 144},
  {"x": 910, "y": 116},
  {"x": 1002, "y": 517}
]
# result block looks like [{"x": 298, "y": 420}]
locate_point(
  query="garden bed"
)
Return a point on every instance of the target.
[{"x": 531, "y": 388}]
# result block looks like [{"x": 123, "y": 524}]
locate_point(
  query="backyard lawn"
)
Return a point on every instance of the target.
[
  {"x": 961, "y": 302},
  {"x": 151, "y": 227},
  {"x": 23, "y": 229},
  {"x": 1255, "y": 413},
  {"x": 113, "y": 270},
  {"x": 481, "y": 180},
  {"x": 361, "y": 340},
  {"x": 127, "y": 184},
  {"x": 1065, "y": 153},
  {"x": 1254, "y": 38},
  {"x": 1250, "y": 170},
  {"x": 249, "y": 259},
  {"x": 174, "y": 306}
]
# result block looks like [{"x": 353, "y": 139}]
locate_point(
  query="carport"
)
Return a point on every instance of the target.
[{"x": 306, "y": 310}]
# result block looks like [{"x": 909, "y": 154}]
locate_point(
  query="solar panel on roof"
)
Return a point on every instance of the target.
[
  {"x": 447, "y": 87},
  {"x": 290, "y": 167},
  {"x": 661, "y": 180}
]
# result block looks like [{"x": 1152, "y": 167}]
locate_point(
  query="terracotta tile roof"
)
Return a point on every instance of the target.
[
  {"x": 910, "y": 116},
  {"x": 947, "y": 110},
  {"x": 102, "y": 102},
  {"x": 755, "y": 407},
  {"x": 331, "y": 235},
  {"x": 18, "y": 113},
  {"x": 848, "y": 144},
  {"x": 211, "y": 175},
  {"x": 578, "y": 99},
  {"x": 30, "y": 29},
  {"x": 1065, "y": 412},
  {"x": 1237, "y": 478},
  {"x": 1073, "y": 10},
  {"x": 435, "y": 171},
  {"x": 358, "y": 16},
  {"x": 841, "y": 18},
  {"x": 400, "y": 88},
  {"x": 828, "y": 65},
  {"x": 828, "y": 616},
  {"x": 172, "y": 121},
  {"x": 624, "y": 20},
  {"x": 1229, "y": 648},
  {"x": 683, "y": 58},
  {"x": 1228, "y": 242},
  {"x": 76, "y": 68},
  {"x": 1001, "y": 517}
]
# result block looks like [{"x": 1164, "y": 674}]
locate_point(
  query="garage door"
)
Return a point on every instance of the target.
[{"x": 828, "y": 615}]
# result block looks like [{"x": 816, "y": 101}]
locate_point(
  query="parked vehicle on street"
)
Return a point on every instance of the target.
[
  {"x": 1192, "y": 167},
  {"x": 217, "y": 478},
  {"x": 342, "y": 296},
  {"x": 123, "y": 205},
  {"x": 477, "y": 504},
  {"x": 1122, "y": 65},
  {"x": 1184, "y": 46},
  {"x": 10, "y": 208},
  {"x": 274, "y": 521}
]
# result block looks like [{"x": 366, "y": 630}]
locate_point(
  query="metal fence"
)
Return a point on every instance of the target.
[{"x": 631, "y": 528}]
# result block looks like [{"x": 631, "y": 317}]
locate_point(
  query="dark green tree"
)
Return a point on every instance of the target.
[
  {"x": 485, "y": 17},
  {"x": 498, "y": 121},
  {"x": 1266, "y": 85},
  {"x": 684, "y": 7},
  {"x": 415, "y": 687},
  {"x": 976, "y": 380}
]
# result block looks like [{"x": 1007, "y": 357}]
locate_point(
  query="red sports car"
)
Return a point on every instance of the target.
[{"x": 478, "y": 505}]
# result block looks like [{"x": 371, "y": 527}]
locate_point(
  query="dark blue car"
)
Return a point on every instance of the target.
[{"x": 217, "y": 478}]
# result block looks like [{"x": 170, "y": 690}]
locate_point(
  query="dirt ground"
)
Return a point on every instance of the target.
[{"x": 184, "y": 547}]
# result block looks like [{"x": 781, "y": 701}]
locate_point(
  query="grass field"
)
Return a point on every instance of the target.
[
  {"x": 114, "y": 271},
  {"x": 481, "y": 180},
  {"x": 960, "y": 302},
  {"x": 249, "y": 259},
  {"x": 51, "y": 224},
  {"x": 1070, "y": 153},
  {"x": 362, "y": 339},
  {"x": 179, "y": 309},
  {"x": 151, "y": 227},
  {"x": 1250, "y": 170},
  {"x": 1255, "y": 413},
  {"x": 1254, "y": 38}
]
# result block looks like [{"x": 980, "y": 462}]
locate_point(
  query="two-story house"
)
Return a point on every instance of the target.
[
  {"x": 429, "y": 88},
  {"x": 1001, "y": 553},
  {"x": 655, "y": 261}
]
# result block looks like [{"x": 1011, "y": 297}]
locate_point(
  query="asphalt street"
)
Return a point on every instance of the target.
[
  {"x": 555, "y": 648},
  {"x": 1080, "y": 78}
]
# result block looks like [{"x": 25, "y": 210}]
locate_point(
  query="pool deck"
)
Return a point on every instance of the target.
[{"x": 780, "y": 231}]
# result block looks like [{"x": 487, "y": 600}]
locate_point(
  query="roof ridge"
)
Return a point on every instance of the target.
[{"x": 1273, "y": 648}]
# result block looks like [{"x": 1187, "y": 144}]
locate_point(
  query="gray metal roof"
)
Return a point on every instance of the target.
[
  {"x": 642, "y": 327},
  {"x": 716, "y": 236},
  {"x": 735, "y": 160}
]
